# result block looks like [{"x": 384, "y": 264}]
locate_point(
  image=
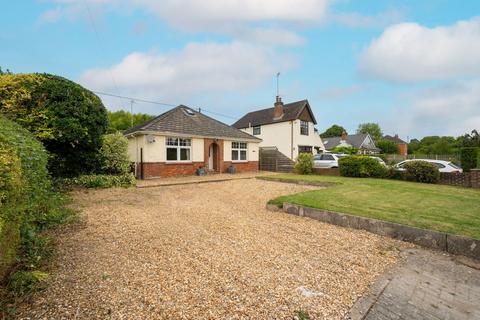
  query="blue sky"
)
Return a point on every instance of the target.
[{"x": 411, "y": 66}]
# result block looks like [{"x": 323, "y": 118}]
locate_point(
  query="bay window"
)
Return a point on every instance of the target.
[
  {"x": 179, "y": 149},
  {"x": 239, "y": 151}
]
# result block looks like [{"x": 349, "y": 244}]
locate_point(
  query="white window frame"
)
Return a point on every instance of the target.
[
  {"x": 238, "y": 147},
  {"x": 259, "y": 130},
  {"x": 179, "y": 147},
  {"x": 307, "y": 127}
]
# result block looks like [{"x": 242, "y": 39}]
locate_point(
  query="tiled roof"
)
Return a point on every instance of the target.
[
  {"x": 395, "y": 139},
  {"x": 355, "y": 140},
  {"x": 265, "y": 116},
  {"x": 185, "y": 120}
]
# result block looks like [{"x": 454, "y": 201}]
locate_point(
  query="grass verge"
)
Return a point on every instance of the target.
[{"x": 429, "y": 206}]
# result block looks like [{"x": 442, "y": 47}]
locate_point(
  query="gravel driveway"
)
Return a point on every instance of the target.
[{"x": 208, "y": 251}]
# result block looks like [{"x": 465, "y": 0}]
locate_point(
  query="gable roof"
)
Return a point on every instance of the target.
[
  {"x": 187, "y": 121},
  {"x": 355, "y": 140},
  {"x": 291, "y": 111},
  {"x": 395, "y": 139}
]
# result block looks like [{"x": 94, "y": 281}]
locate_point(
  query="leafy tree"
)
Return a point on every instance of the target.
[
  {"x": 372, "y": 128},
  {"x": 387, "y": 146},
  {"x": 333, "y": 131},
  {"x": 121, "y": 120},
  {"x": 114, "y": 154},
  {"x": 437, "y": 145},
  {"x": 469, "y": 140},
  {"x": 68, "y": 119},
  {"x": 5, "y": 72},
  {"x": 346, "y": 150}
]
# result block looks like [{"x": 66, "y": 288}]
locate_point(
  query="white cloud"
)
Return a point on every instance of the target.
[
  {"x": 197, "y": 69},
  {"x": 357, "y": 20},
  {"x": 409, "y": 52},
  {"x": 451, "y": 109}
]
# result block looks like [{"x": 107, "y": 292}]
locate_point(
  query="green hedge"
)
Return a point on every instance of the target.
[
  {"x": 361, "y": 167},
  {"x": 470, "y": 158},
  {"x": 421, "y": 171},
  {"x": 304, "y": 163},
  {"x": 98, "y": 181}
]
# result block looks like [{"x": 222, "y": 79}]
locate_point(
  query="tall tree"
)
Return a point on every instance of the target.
[
  {"x": 121, "y": 120},
  {"x": 333, "y": 131},
  {"x": 372, "y": 128}
]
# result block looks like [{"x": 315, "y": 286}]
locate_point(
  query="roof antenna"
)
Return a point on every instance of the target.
[
  {"x": 278, "y": 84},
  {"x": 131, "y": 112}
]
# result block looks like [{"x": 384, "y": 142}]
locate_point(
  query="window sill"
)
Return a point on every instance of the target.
[
  {"x": 179, "y": 162},
  {"x": 239, "y": 161}
]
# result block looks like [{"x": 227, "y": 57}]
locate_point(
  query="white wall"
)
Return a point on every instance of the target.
[
  {"x": 280, "y": 135},
  {"x": 252, "y": 150},
  {"x": 156, "y": 151}
]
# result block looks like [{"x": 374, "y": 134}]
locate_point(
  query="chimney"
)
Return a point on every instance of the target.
[
  {"x": 344, "y": 135},
  {"x": 396, "y": 135},
  {"x": 278, "y": 109}
]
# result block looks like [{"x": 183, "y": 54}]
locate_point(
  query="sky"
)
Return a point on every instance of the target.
[{"x": 411, "y": 66}]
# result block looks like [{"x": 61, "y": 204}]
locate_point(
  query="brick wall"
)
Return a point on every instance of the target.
[
  {"x": 467, "y": 179},
  {"x": 241, "y": 166}
]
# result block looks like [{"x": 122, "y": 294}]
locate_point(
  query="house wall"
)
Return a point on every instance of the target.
[
  {"x": 154, "y": 157},
  {"x": 280, "y": 135},
  {"x": 403, "y": 149}
]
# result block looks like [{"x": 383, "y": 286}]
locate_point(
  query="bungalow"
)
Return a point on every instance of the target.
[
  {"x": 288, "y": 127},
  {"x": 182, "y": 140},
  {"x": 362, "y": 141}
]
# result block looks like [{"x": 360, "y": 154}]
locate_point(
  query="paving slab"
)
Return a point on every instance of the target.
[{"x": 426, "y": 285}]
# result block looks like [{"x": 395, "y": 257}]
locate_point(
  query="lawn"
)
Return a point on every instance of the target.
[{"x": 437, "y": 207}]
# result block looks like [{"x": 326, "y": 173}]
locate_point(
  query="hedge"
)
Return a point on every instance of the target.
[
  {"x": 361, "y": 167},
  {"x": 304, "y": 163},
  {"x": 470, "y": 158},
  {"x": 421, "y": 171},
  {"x": 98, "y": 181}
]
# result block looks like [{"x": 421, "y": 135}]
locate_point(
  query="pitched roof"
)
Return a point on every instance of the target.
[
  {"x": 185, "y": 120},
  {"x": 355, "y": 140},
  {"x": 265, "y": 116},
  {"x": 395, "y": 139}
]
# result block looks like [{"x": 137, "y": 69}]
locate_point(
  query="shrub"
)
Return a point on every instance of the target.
[
  {"x": 68, "y": 119},
  {"x": 24, "y": 282},
  {"x": 99, "y": 181},
  {"x": 361, "y": 167},
  {"x": 114, "y": 154},
  {"x": 469, "y": 158},
  {"x": 346, "y": 150},
  {"x": 421, "y": 171},
  {"x": 387, "y": 146},
  {"x": 304, "y": 163}
]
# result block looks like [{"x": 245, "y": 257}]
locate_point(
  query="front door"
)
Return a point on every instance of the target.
[{"x": 210, "y": 158}]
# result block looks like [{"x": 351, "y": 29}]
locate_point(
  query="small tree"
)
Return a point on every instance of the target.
[
  {"x": 387, "y": 146},
  {"x": 333, "y": 131},
  {"x": 372, "y": 128},
  {"x": 469, "y": 158},
  {"x": 114, "y": 154},
  {"x": 304, "y": 163}
]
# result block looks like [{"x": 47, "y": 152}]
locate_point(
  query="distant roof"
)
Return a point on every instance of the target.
[
  {"x": 185, "y": 120},
  {"x": 395, "y": 139},
  {"x": 265, "y": 116},
  {"x": 355, "y": 140}
]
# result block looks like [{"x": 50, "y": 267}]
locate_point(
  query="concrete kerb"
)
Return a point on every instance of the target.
[{"x": 453, "y": 244}]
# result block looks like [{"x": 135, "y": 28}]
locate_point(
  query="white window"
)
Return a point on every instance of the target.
[
  {"x": 179, "y": 149},
  {"x": 257, "y": 130},
  {"x": 239, "y": 151},
  {"x": 304, "y": 128}
]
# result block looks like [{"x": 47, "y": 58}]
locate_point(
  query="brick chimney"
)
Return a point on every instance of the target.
[
  {"x": 344, "y": 135},
  {"x": 278, "y": 109}
]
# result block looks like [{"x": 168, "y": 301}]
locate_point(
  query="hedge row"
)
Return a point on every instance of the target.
[
  {"x": 361, "y": 167},
  {"x": 99, "y": 181}
]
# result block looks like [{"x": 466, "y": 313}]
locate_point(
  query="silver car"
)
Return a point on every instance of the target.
[
  {"x": 443, "y": 166},
  {"x": 327, "y": 160}
]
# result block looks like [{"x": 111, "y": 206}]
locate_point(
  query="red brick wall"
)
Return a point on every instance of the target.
[
  {"x": 403, "y": 149},
  {"x": 219, "y": 158},
  {"x": 162, "y": 169},
  {"x": 241, "y": 166}
]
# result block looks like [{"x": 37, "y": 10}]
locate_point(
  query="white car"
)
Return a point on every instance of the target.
[
  {"x": 443, "y": 166},
  {"x": 326, "y": 160},
  {"x": 380, "y": 160}
]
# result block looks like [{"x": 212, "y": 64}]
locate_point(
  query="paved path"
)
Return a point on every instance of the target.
[{"x": 427, "y": 285}]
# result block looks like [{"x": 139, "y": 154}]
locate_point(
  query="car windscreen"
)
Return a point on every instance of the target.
[{"x": 451, "y": 164}]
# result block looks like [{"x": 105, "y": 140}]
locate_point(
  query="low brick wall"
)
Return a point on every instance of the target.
[
  {"x": 466, "y": 179},
  {"x": 249, "y": 166},
  {"x": 427, "y": 238},
  {"x": 326, "y": 172},
  {"x": 162, "y": 169}
]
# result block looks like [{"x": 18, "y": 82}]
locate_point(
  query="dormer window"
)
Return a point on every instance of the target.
[
  {"x": 257, "y": 130},
  {"x": 304, "y": 128}
]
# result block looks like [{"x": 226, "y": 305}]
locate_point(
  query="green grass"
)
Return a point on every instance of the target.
[{"x": 428, "y": 206}]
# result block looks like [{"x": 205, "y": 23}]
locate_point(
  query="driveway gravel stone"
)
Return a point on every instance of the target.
[{"x": 205, "y": 251}]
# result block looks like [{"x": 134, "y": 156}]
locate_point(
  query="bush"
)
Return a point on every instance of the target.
[
  {"x": 361, "y": 167},
  {"x": 114, "y": 154},
  {"x": 470, "y": 158},
  {"x": 387, "y": 146},
  {"x": 24, "y": 282},
  {"x": 68, "y": 119},
  {"x": 304, "y": 163},
  {"x": 421, "y": 171},
  {"x": 346, "y": 150},
  {"x": 99, "y": 181}
]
